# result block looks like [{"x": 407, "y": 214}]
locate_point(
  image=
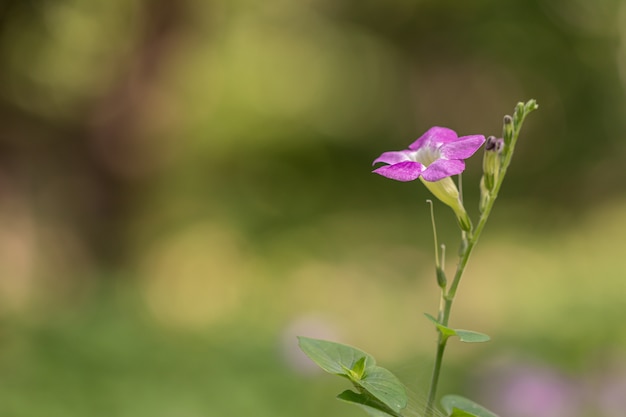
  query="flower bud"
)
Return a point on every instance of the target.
[
  {"x": 531, "y": 105},
  {"x": 441, "y": 278},
  {"x": 507, "y": 130},
  {"x": 519, "y": 114},
  {"x": 492, "y": 162}
]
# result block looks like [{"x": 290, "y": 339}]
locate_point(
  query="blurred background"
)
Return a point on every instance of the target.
[{"x": 185, "y": 186}]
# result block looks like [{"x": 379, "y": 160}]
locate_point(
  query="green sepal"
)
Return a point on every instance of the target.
[
  {"x": 457, "y": 406},
  {"x": 368, "y": 404},
  {"x": 467, "y": 336},
  {"x": 376, "y": 383}
]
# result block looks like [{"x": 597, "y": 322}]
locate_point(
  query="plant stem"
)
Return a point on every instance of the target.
[
  {"x": 441, "y": 347},
  {"x": 448, "y": 297},
  {"x": 468, "y": 243}
]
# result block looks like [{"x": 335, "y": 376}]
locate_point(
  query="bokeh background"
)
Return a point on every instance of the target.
[{"x": 185, "y": 186}]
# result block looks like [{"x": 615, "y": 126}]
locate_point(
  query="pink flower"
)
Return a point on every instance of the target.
[
  {"x": 438, "y": 154},
  {"x": 434, "y": 158}
]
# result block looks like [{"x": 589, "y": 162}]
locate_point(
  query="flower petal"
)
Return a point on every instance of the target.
[
  {"x": 462, "y": 148},
  {"x": 442, "y": 168},
  {"x": 393, "y": 157},
  {"x": 434, "y": 137},
  {"x": 403, "y": 171}
]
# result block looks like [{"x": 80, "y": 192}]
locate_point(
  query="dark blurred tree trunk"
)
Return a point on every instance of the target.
[
  {"x": 103, "y": 146},
  {"x": 113, "y": 140}
]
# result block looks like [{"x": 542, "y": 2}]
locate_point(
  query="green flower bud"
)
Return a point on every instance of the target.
[
  {"x": 492, "y": 162},
  {"x": 441, "y": 278},
  {"x": 531, "y": 105},
  {"x": 519, "y": 114},
  {"x": 507, "y": 130}
]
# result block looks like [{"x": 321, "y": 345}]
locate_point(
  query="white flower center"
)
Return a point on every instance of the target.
[{"x": 426, "y": 155}]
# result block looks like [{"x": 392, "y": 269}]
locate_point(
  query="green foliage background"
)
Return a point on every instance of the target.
[{"x": 184, "y": 186}]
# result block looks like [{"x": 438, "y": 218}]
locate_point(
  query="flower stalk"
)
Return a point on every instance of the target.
[{"x": 495, "y": 170}]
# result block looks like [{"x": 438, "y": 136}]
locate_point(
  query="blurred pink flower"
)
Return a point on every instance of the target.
[
  {"x": 538, "y": 392},
  {"x": 530, "y": 390}
]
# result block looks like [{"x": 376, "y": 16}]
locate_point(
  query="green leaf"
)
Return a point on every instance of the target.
[
  {"x": 384, "y": 386},
  {"x": 359, "y": 368},
  {"x": 446, "y": 331},
  {"x": 333, "y": 357},
  {"x": 366, "y": 402},
  {"x": 371, "y": 380},
  {"x": 457, "y": 406},
  {"x": 467, "y": 336},
  {"x": 460, "y": 413}
]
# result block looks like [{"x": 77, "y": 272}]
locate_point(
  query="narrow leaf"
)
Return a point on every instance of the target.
[
  {"x": 469, "y": 336},
  {"x": 446, "y": 331}
]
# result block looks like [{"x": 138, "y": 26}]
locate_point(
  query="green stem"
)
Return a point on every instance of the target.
[
  {"x": 448, "y": 297},
  {"x": 441, "y": 347},
  {"x": 468, "y": 244}
]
